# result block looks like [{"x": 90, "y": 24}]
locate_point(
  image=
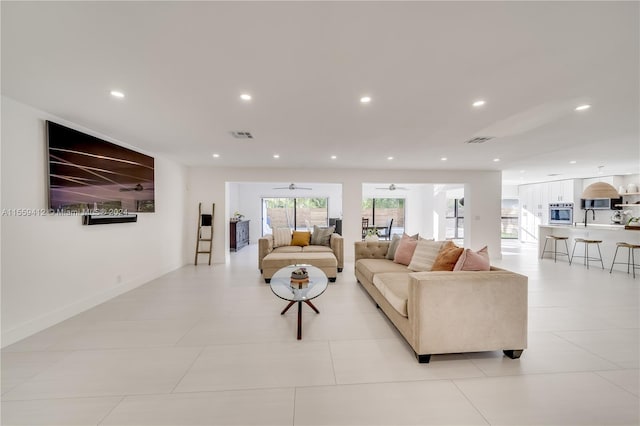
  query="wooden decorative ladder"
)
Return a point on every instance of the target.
[{"x": 204, "y": 221}]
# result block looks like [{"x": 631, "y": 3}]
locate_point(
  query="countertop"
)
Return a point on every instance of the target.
[
  {"x": 589, "y": 226},
  {"x": 592, "y": 227}
]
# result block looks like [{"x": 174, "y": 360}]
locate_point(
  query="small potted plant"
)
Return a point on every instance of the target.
[
  {"x": 372, "y": 235},
  {"x": 237, "y": 216},
  {"x": 633, "y": 222}
]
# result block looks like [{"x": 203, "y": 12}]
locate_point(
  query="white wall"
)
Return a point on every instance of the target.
[
  {"x": 245, "y": 197},
  {"x": 53, "y": 267},
  {"x": 482, "y": 190}
]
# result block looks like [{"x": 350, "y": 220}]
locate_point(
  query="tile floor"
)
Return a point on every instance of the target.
[{"x": 207, "y": 346}]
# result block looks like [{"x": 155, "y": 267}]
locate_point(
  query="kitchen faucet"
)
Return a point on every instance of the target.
[{"x": 585, "y": 215}]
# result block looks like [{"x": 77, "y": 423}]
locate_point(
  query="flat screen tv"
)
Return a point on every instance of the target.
[{"x": 88, "y": 174}]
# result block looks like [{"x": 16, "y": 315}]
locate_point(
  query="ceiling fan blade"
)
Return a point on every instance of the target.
[
  {"x": 393, "y": 187},
  {"x": 292, "y": 187}
]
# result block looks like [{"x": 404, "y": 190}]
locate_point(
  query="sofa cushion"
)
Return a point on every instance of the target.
[
  {"x": 447, "y": 258},
  {"x": 319, "y": 260},
  {"x": 425, "y": 255},
  {"x": 471, "y": 260},
  {"x": 393, "y": 246},
  {"x": 321, "y": 236},
  {"x": 300, "y": 238},
  {"x": 316, "y": 249},
  {"x": 371, "y": 267},
  {"x": 287, "y": 249},
  {"x": 281, "y": 237},
  {"x": 394, "y": 287},
  {"x": 405, "y": 251}
]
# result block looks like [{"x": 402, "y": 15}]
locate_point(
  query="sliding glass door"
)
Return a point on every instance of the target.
[
  {"x": 299, "y": 213},
  {"x": 380, "y": 210},
  {"x": 455, "y": 218}
]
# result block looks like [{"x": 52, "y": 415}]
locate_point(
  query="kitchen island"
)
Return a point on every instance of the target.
[{"x": 609, "y": 234}]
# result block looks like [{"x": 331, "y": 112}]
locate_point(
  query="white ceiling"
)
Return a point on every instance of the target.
[{"x": 183, "y": 66}]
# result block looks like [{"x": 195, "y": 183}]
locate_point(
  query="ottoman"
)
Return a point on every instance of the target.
[{"x": 326, "y": 261}]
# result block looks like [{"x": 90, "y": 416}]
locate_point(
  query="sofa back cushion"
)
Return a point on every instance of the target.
[
  {"x": 447, "y": 258},
  {"x": 425, "y": 255},
  {"x": 321, "y": 236},
  {"x": 471, "y": 260},
  {"x": 300, "y": 238},
  {"x": 281, "y": 237}
]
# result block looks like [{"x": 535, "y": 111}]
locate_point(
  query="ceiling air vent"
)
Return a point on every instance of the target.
[
  {"x": 242, "y": 135},
  {"x": 479, "y": 139}
]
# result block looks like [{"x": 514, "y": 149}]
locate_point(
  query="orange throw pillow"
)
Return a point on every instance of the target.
[
  {"x": 300, "y": 238},
  {"x": 447, "y": 258}
]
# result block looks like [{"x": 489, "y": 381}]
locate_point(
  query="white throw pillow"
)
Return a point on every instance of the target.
[
  {"x": 425, "y": 255},
  {"x": 281, "y": 237}
]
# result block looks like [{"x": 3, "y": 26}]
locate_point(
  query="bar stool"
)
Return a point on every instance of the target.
[
  {"x": 555, "y": 247},
  {"x": 631, "y": 259},
  {"x": 587, "y": 243}
]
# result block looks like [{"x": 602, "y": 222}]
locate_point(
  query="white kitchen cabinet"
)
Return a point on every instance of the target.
[
  {"x": 534, "y": 203},
  {"x": 564, "y": 191}
]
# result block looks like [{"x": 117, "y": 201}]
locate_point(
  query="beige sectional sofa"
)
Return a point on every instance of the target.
[
  {"x": 446, "y": 312},
  {"x": 330, "y": 259}
]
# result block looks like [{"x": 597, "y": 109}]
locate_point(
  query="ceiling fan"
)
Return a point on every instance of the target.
[
  {"x": 393, "y": 187},
  {"x": 138, "y": 188},
  {"x": 292, "y": 187}
]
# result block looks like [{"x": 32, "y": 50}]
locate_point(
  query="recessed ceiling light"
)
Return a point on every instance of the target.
[
  {"x": 521, "y": 171},
  {"x": 443, "y": 158},
  {"x": 365, "y": 99},
  {"x": 216, "y": 156},
  {"x": 572, "y": 162},
  {"x": 389, "y": 158},
  {"x": 276, "y": 155},
  {"x": 117, "y": 94},
  {"x": 583, "y": 107},
  {"x": 495, "y": 160},
  {"x": 245, "y": 97},
  {"x": 478, "y": 103},
  {"x": 333, "y": 157}
]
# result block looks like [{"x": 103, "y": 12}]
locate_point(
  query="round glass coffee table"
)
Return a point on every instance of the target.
[{"x": 281, "y": 287}]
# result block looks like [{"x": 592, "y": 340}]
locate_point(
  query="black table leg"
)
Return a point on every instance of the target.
[
  {"x": 312, "y": 307},
  {"x": 287, "y": 308},
  {"x": 299, "y": 320},
  {"x": 300, "y": 314}
]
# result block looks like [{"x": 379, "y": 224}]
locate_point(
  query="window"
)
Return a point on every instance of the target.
[
  {"x": 380, "y": 210},
  {"x": 509, "y": 218},
  {"x": 455, "y": 218},
  {"x": 295, "y": 213}
]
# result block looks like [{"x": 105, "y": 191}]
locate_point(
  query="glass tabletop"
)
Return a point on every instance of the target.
[{"x": 281, "y": 284}]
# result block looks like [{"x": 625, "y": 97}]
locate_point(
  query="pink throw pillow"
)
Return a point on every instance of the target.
[
  {"x": 405, "y": 250},
  {"x": 471, "y": 260}
]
